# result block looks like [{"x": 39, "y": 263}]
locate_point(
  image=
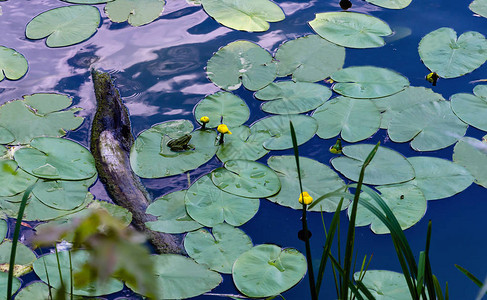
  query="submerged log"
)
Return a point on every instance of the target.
[{"x": 111, "y": 140}]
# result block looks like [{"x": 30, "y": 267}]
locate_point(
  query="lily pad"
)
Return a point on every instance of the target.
[
  {"x": 171, "y": 214},
  {"x": 136, "y": 12},
  {"x": 87, "y": 1},
  {"x": 439, "y": 178},
  {"x": 241, "y": 144},
  {"x": 391, "y": 4},
  {"x": 479, "y": 7},
  {"x": 244, "y": 15},
  {"x": 387, "y": 166},
  {"x": 3, "y": 229},
  {"x": 430, "y": 126},
  {"x": 241, "y": 62},
  {"x": 5, "y": 137},
  {"x": 13, "y": 179},
  {"x": 267, "y": 270},
  {"x": 211, "y": 206},
  {"x": 309, "y": 58},
  {"x": 449, "y": 57},
  {"x": 356, "y": 119},
  {"x": 64, "y": 26},
  {"x": 24, "y": 255},
  {"x": 350, "y": 29},
  {"x": 317, "y": 178},
  {"x": 222, "y": 107},
  {"x": 279, "y": 130},
  {"x": 472, "y": 155},
  {"x": 246, "y": 178},
  {"x": 471, "y": 108},
  {"x": 218, "y": 249},
  {"x": 4, "y": 282},
  {"x": 290, "y": 97},
  {"x": 13, "y": 65},
  {"x": 385, "y": 285},
  {"x": 368, "y": 82}
]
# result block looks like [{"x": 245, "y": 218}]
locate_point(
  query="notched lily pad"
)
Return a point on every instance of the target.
[
  {"x": 385, "y": 285},
  {"x": 14, "y": 180},
  {"x": 222, "y": 107},
  {"x": 472, "y": 155},
  {"x": 242, "y": 144},
  {"x": 136, "y": 12},
  {"x": 472, "y": 109},
  {"x": 13, "y": 65},
  {"x": 391, "y": 4},
  {"x": 479, "y": 7}
]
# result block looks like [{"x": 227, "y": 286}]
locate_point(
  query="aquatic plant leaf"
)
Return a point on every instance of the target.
[
  {"x": 350, "y": 29},
  {"x": 13, "y": 65},
  {"x": 278, "y": 128},
  {"x": 406, "y": 201},
  {"x": 3, "y": 229},
  {"x": 368, "y": 82},
  {"x": 356, "y": 119},
  {"x": 391, "y": 4},
  {"x": 309, "y": 58},
  {"x": 317, "y": 178},
  {"x": 3, "y": 285},
  {"x": 55, "y": 158},
  {"x": 385, "y": 285},
  {"x": 244, "y": 15},
  {"x": 136, "y": 12},
  {"x": 24, "y": 255},
  {"x": 171, "y": 214},
  {"x": 241, "y": 144},
  {"x": 222, "y": 108},
  {"x": 471, "y": 154},
  {"x": 5, "y": 137},
  {"x": 13, "y": 180},
  {"x": 150, "y": 157},
  {"x": 218, "y": 249},
  {"x": 87, "y": 1},
  {"x": 64, "y": 26},
  {"x": 246, "y": 178},
  {"x": 479, "y": 7},
  {"x": 38, "y": 290},
  {"x": 430, "y": 126},
  {"x": 241, "y": 62},
  {"x": 472, "y": 109},
  {"x": 267, "y": 270},
  {"x": 449, "y": 57},
  {"x": 439, "y": 178},
  {"x": 288, "y": 97},
  {"x": 387, "y": 167}
]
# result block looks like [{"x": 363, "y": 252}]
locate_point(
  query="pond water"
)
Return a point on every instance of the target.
[{"x": 159, "y": 69}]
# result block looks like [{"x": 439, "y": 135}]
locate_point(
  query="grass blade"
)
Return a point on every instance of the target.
[
  {"x": 430, "y": 284},
  {"x": 437, "y": 288},
  {"x": 470, "y": 276},
  {"x": 420, "y": 276}
]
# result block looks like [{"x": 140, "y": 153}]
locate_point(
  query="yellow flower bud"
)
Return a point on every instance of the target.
[
  {"x": 204, "y": 119},
  {"x": 222, "y": 128},
  {"x": 306, "y": 198}
]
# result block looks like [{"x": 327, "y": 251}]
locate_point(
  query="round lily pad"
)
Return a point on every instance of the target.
[
  {"x": 5, "y": 137},
  {"x": 385, "y": 285},
  {"x": 471, "y": 108},
  {"x": 246, "y": 178},
  {"x": 13, "y": 179},
  {"x": 479, "y": 7},
  {"x": 210, "y": 206},
  {"x": 430, "y": 126},
  {"x": 24, "y": 255},
  {"x": 449, "y": 57},
  {"x": 267, "y": 270},
  {"x": 136, "y": 12},
  {"x": 13, "y": 65},
  {"x": 368, "y": 82},
  {"x": 241, "y": 62},
  {"x": 472, "y": 155},
  {"x": 241, "y": 144},
  {"x": 387, "y": 166},
  {"x": 218, "y": 249},
  {"x": 310, "y": 58},
  {"x": 290, "y": 97},
  {"x": 317, "y": 178},
  {"x": 244, "y": 15},
  {"x": 64, "y": 26},
  {"x": 350, "y": 29},
  {"x": 355, "y": 119},
  {"x": 391, "y": 4},
  {"x": 4, "y": 283},
  {"x": 222, "y": 107}
]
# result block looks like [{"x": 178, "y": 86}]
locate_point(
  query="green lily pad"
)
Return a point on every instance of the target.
[
  {"x": 211, "y": 206},
  {"x": 64, "y": 26},
  {"x": 150, "y": 157},
  {"x": 471, "y": 154},
  {"x": 55, "y": 158},
  {"x": 241, "y": 62},
  {"x": 368, "y": 82},
  {"x": 439, "y": 178},
  {"x": 385, "y": 285},
  {"x": 244, "y": 15},
  {"x": 406, "y": 201},
  {"x": 267, "y": 270},
  {"x": 350, "y": 29},
  {"x": 309, "y": 58},
  {"x": 471, "y": 108},
  {"x": 171, "y": 214},
  {"x": 449, "y": 57},
  {"x": 279, "y": 130},
  {"x": 391, "y": 4},
  {"x": 356, "y": 119},
  {"x": 5, "y": 137},
  {"x": 4, "y": 282},
  {"x": 136, "y": 12},
  {"x": 222, "y": 107},
  {"x": 317, "y": 178},
  {"x": 290, "y": 97},
  {"x": 87, "y": 1},
  {"x": 3, "y": 229},
  {"x": 479, "y": 7},
  {"x": 387, "y": 166},
  {"x": 180, "y": 277},
  {"x": 242, "y": 144},
  {"x": 13, "y": 65},
  {"x": 218, "y": 249},
  {"x": 13, "y": 179},
  {"x": 246, "y": 178},
  {"x": 24, "y": 255},
  {"x": 430, "y": 126}
]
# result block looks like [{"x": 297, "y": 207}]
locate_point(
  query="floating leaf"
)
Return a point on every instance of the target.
[
  {"x": 3, "y": 285},
  {"x": 87, "y": 1},
  {"x": 449, "y": 57},
  {"x": 241, "y": 62},
  {"x": 267, "y": 270},
  {"x": 218, "y": 249},
  {"x": 5, "y": 137},
  {"x": 222, "y": 107},
  {"x": 350, "y": 29},
  {"x": 136, "y": 12},
  {"x": 472, "y": 154},
  {"x": 241, "y": 144},
  {"x": 368, "y": 82},
  {"x": 13, "y": 179},
  {"x": 430, "y": 126},
  {"x": 479, "y": 7},
  {"x": 385, "y": 285},
  {"x": 309, "y": 58},
  {"x": 290, "y": 97},
  {"x": 3, "y": 229},
  {"x": 24, "y": 255},
  {"x": 391, "y": 4},
  {"x": 13, "y": 65},
  {"x": 64, "y": 26},
  {"x": 471, "y": 109}
]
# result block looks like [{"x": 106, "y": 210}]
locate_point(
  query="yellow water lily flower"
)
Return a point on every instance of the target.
[
  {"x": 337, "y": 148},
  {"x": 306, "y": 198},
  {"x": 222, "y": 128},
  {"x": 432, "y": 77},
  {"x": 204, "y": 119}
]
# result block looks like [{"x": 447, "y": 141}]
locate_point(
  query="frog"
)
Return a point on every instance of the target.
[{"x": 180, "y": 144}]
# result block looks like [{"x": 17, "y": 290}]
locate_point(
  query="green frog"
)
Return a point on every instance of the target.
[{"x": 180, "y": 144}]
